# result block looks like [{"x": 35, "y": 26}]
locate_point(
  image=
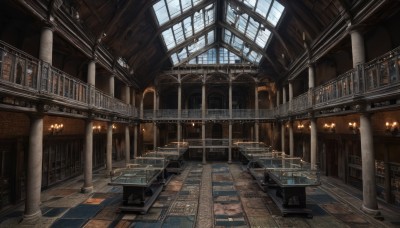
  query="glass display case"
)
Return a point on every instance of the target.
[
  {"x": 142, "y": 181},
  {"x": 285, "y": 179}
]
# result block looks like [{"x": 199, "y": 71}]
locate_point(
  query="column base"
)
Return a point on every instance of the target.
[
  {"x": 375, "y": 213},
  {"x": 32, "y": 218},
  {"x": 230, "y": 162},
  {"x": 87, "y": 189}
]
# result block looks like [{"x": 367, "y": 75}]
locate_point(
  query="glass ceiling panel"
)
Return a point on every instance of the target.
[
  {"x": 166, "y": 10},
  {"x": 247, "y": 26},
  {"x": 264, "y": 9},
  {"x": 241, "y": 46},
  {"x": 192, "y": 48},
  {"x": 183, "y": 30},
  {"x": 210, "y": 57}
]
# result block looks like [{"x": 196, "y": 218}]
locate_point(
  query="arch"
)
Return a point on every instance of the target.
[
  {"x": 217, "y": 77},
  {"x": 191, "y": 78},
  {"x": 166, "y": 78}
]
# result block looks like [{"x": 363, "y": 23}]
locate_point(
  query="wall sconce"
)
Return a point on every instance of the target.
[
  {"x": 353, "y": 127},
  {"x": 392, "y": 127},
  {"x": 56, "y": 128},
  {"x": 114, "y": 127},
  {"x": 330, "y": 127},
  {"x": 97, "y": 129}
]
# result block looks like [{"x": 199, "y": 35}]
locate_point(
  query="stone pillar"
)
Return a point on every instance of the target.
[
  {"x": 278, "y": 100},
  {"x": 135, "y": 140},
  {"x": 230, "y": 143},
  {"x": 283, "y": 95},
  {"x": 256, "y": 124},
  {"x": 370, "y": 204},
  {"x": 230, "y": 99},
  {"x": 127, "y": 96},
  {"x": 313, "y": 142},
  {"x": 111, "y": 87},
  {"x": 127, "y": 145},
  {"x": 291, "y": 139},
  {"x": 109, "y": 147},
  {"x": 290, "y": 95},
  {"x": 155, "y": 136},
  {"x": 91, "y": 75},
  {"x": 357, "y": 47},
  {"x": 46, "y": 45},
  {"x": 203, "y": 124},
  {"x": 34, "y": 174},
  {"x": 178, "y": 124},
  {"x": 87, "y": 175},
  {"x": 283, "y": 137},
  {"x": 311, "y": 76},
  {"x": 133, "y": 96},
  {"x": 203, "y": 137}
]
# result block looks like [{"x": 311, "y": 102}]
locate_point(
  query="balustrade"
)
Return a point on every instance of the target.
[{"x": 19, "y": 69}]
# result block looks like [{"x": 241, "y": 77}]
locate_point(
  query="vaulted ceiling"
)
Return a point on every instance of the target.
[{"x": 154, "y": 35}]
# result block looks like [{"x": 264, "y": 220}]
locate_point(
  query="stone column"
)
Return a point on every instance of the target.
[
  {"x": 357, "y": 46},
  {"x": 127, "y": 96},
  {"x": 203, "y": 137},
  {"x": 203, "y": 115},
  {"x": 133, "y": 96},
  {"x": 155, "y": 136},
  {"x": 87, "y": 175},
  {"x": 313, "y": 142},
  {"x": 109, "y": 147},
  {"x": 283, "y": 137},
  {"x": 370, "y": 204},
  {"x": 290, "y": 95},
  {"x": 91, "y": 75},
  {"x": 46, "y": 45},
  {"x": 127, "y": 145},
  {"x": 283, "y": 95},
  {"x": 230, "y": 143},
  {"x": 34, "y": 174},
  {"x": 278, "y": 99},
  {"x": 111, "y": 86},
  {"x": 178, "y": 124},
  {"x": 135, "y": 140},
  {"x": 230, "y": 100},
  {"x": 311, "y": 76},
  {"x": 256, "y": 124},
  {"x": 291, "y": 139}
]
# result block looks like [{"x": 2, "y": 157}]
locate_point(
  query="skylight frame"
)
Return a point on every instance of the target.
[
  {"x": 223, "y": 56},
  {"x": 188, "y": 27},
  {"x": 163, "y": 10}
]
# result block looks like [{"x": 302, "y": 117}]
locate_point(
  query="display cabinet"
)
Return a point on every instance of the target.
[
  {"x": 174, "y": 153},
  {"x": 395, "y": 182},
  {"x": 285, "y": 179},
  {"x": 142, "y": 181}
]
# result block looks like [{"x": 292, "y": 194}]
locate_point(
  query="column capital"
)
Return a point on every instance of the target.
[
  {"x": 48, "y": 24},
  {"x": 355, "y": 28}
]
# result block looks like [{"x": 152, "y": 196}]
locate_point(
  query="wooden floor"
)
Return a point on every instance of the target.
[{"x": 211, "y": 195}]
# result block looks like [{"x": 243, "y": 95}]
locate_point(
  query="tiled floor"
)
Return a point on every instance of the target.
[{"x": 212, "y": 195}]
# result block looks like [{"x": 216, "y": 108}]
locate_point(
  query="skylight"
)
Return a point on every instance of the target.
[
  {"x": 241, "y": 46},
  {"x": 189, "y": 26},
  {"x": 268, "y": 9},
  {"x": 211, "y": 57},
  {"x": 167, "y": 10},
  {"x": 191, "y": 50},
  {"x": 193, "y": 31}
]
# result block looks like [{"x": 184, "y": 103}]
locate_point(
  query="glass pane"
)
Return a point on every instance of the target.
[
  {"x": 275, "y": 13},
  {"x": 187, "y": 25},
  {"x": 252, "y": 28},
  {"x": 178, "y": 33},
  {"x": 186, "y": 4},
  {"x": 198, "y": 21},
  {"x": 168, "y": 38},
  {"x": 174, "y": 8},
  {"x": 262, "y": 37},
  {"x": 182, "y": 54},
  {"x": 241, "y": 25},
  {"x": 263, "y": 7},
  {"x": 161, "y": 12},
  {"x": 250, "y": 3},
  {"x": 174, "y": 58},
  {"x": 210, "y": 37}
]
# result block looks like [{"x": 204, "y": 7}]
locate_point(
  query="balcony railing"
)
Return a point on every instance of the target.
[{"x": 20, "y": 70}]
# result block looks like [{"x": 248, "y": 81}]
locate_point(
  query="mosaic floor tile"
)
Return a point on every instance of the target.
[
  {"x": 108, "y": 213},
  {"x": 94, "y": 223},
  {"x": 224, "y": 193},
  {"x": 94, "y": 201},
  {"x": 264, "y": 221},
  {"x": 223, "y": 183},
  {"x": 321, "y": 198},
  {"x": 54, "y": 212},
  {"x": 68, "y": 223},
  {"x": 62, "y": 192},
  {"x": 154, "y": 214},
  {"x": 183, "y": 208},
  {"x": 178, "y": 221},
  {"x": 336, "y": 208},
  {"x": 129, "y": 216},
  {"x": 225, "y": 199},
  {"x": 143, "y": 224},
  {"x": 82, "y": 211},
  {"x": 221, "y": 177},
  {"x": 351, "y": 218},
  {"x": 227, "y": 209},
  {"x": 224, "y": 188}
]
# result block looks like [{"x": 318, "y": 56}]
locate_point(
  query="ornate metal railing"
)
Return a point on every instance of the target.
[
  {"x": 300, "y": 103},
  {"x": 20, "y": 70},
  {"x": 207, "y": 142}
]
